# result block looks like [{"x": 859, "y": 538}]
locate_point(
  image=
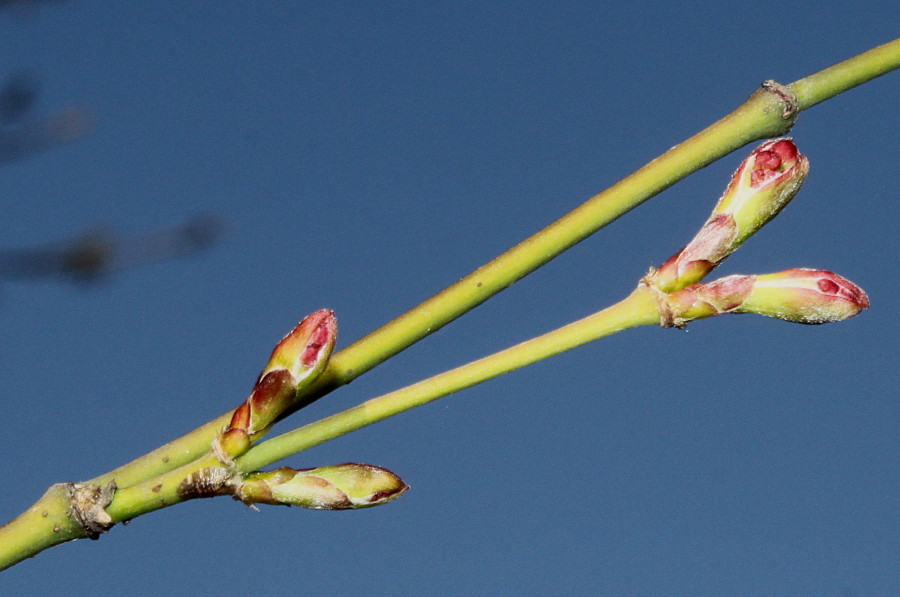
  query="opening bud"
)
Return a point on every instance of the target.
[
  {"x": 762, "y": 185},
  {"x": 339, "y": 487},
  {"x": 809, "y": 296},
  {"x": 800, "y": 295},
  {"x": 760, "y": 188},
  {"x": 297, "y": 361},
  {"x": 304, "y": 351}
]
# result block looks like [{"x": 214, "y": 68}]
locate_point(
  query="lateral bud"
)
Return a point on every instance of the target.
[
  {"x": 339, "y": 487},
  {"x": 799, "y": 295},
  {"x": 296, "y": 362},
  {"x": 758, "y": 190}
]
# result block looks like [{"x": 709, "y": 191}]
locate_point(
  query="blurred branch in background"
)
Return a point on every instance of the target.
[
  {"x": 101, "y": 252},
  {"x": 96, "y": 253},
  {"x": 21, "y": 137},
  {"x": 24, "y": 8},
  {"x": 17, "y": 97}
]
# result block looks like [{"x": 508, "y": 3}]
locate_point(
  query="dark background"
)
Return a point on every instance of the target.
[{"x": 365, "y": 155}]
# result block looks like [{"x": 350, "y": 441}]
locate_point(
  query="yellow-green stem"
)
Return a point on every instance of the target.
[
  {"x": 45, "y": 524},
  {"x": 49, "y": 521},
  {"x": 767, "y": 112},
  {"x": 35, "y": 531},
  {"x": 638, "y": 309},
  {"x": 845, "y": 75}
]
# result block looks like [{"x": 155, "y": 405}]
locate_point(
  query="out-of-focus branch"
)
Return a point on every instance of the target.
[
  {"x": 101, "y": 252},
  {"x": 20, "y": 138},
  {"x": 17, "y": 97},
  {"x": 24, "y": 7}
]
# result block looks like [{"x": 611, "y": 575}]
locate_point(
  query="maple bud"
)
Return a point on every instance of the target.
[
  {"x": 800, "y": 295},
  {"x": 297, "y": 361},
  {"x": 760, "y": 188},
  {"x": 339, "y": 487},
  {"x": 806, "y": 296}
]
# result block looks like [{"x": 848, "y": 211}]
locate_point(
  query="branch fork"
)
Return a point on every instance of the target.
[{"x": 189, "y": 467}]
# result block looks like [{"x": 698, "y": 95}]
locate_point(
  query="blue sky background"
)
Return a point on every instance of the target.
[{"x": 365, "y": 155}]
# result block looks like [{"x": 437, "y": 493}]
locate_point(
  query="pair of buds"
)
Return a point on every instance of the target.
[
  {"x": 758, "y": 190},
  {"x": 296, "y": 362}
]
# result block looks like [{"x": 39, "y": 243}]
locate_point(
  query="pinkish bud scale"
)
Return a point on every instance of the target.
[
  {"x": 799, "y": 295},
  {"x": 760, "y": 188},
  {"x": 296, "y": 362}
]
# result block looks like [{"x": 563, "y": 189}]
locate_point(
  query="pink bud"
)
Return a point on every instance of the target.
[
  {"x": 762, "y": 185},
  {"x": 805, "y": 296},
  {"x": 800, "y": 295},
  {"x": 760, "y": 188},
  {"x": 309, "y": 344},
  {"x": 297, "y": 361}
]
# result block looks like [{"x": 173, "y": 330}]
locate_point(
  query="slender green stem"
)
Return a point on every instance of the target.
[
  {"x": 766, "y": 113},
  {"x": 770, "y": 111},
  {"x": 845, "y": 75},
  {"x": 48, "y": 522},
  {"x": 638, "y": 309}
]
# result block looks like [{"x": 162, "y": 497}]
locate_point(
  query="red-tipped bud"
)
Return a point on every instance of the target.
[
  {"x": 763, "y": 184},
  {"x": 297, "y": 361},
  {"x": 805, "y": 296},
  {"x": 340, "y": 487},
  {"x": 800, "y": 295},
  {"x": 760, "y": 188},
  {"x": 305, "y": 350}
]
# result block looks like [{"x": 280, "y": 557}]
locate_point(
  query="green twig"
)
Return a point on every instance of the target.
[
  {"x": 35, "y": 531},
  {"x": 845, "y": 75},
  {"x": 149, "y": 482},
  {"x": 45, "y": 524},
  {"x": 768, "y": 112},
  {"x": 638, "y": 309}
]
